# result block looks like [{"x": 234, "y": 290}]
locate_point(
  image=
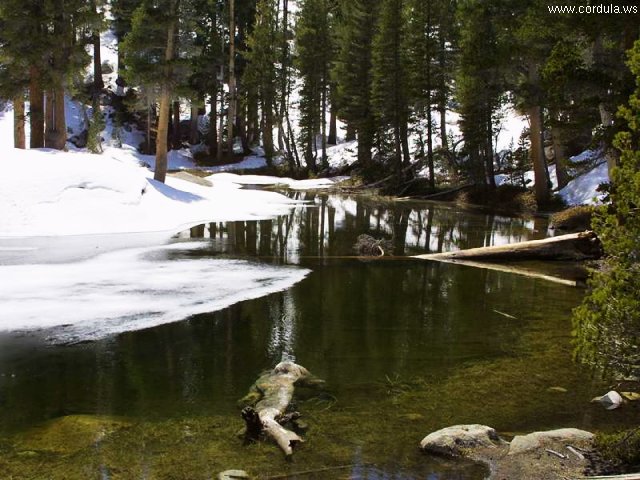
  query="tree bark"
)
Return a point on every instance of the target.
[
  {"x": 98, "y": 83},
  {"x": 537, "y": 145},
  {"x": 162, "y": 135},
  {"x": 559, "y": 152},
  {"x": 194, "y": 134},
  {"x": 231, "y": 112},
  {"x": 332, "y": 139},
  {"x": 165, "y": 100},
  {"x": 213, "y": 124},
  {"x": 576, "y": 246},
  {"x": 18, "y": 122},
  {"x": 36, "y": 109},
  {"x": 176, "y": 137},
  {"x": 537, "y": 154},
  {"x": 60, "y": 121}
]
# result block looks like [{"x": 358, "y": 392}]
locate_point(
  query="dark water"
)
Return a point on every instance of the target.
[{"x": 406, "y": 347}]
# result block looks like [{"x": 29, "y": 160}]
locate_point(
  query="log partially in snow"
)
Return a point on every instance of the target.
[
  {"x": 577, "y": 246},
  {"x": 268, "y": 401}
]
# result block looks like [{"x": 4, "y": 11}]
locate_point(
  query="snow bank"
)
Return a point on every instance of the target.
[
  {"x": 70, "y": 193},
  {"x": 130, "y": 290}
]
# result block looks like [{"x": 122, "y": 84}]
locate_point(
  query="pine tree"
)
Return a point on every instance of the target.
[
  {"x": 389, "y": 81},
  {"x": 313, "y": 59},
  {"x": 608, "y": 321},
  {"x": 352, "y": 71},
  {"x": 154, "y": 60},
  {"x": 260, "y": 72},
  {"x": 480, "y": 85},
  {"x": 423, "y": 53},
  {"x": 44, "y": 44}
]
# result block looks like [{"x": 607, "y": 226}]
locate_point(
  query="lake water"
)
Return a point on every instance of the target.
[{"x": 405, "y": 346}]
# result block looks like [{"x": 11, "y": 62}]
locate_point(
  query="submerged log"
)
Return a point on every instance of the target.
[
  {"x": 577, "y": 246},
  {"x": 268, "y": 401}
]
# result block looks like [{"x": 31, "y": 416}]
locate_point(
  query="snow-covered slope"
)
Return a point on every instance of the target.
[{"x": 583, "y": 189}]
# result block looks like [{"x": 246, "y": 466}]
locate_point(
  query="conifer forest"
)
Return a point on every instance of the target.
[{"x": 289, "y": 239}]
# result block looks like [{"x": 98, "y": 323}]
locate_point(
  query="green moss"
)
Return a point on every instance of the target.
[
  {"x": 620, "y": 451},
  {"x": 575, "y": 219}
]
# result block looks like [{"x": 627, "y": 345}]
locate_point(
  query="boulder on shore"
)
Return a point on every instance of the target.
[{"x": 461, "y": 440}]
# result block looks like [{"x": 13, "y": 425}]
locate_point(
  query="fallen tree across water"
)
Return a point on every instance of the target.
[
  {"x": 267, "y": 403},
  {"x": 576, "y": 246}
]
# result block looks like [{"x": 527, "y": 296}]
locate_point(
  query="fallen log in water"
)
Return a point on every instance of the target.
[
  {"x": 268, "y": 401},
  {"x": 576, "y": 246}
]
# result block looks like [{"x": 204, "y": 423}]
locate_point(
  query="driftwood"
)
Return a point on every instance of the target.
[
  {"x": 577, "y": 246},
  {"x": 267, "y": 403}
]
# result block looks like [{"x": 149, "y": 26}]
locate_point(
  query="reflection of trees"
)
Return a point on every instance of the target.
[{"x": 328, "y": 225}]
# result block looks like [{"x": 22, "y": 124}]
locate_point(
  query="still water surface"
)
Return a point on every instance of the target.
[{"x": 405, "y": 346}]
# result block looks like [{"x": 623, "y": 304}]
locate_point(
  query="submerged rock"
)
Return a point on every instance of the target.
[
  {"x": 461, "y": 440},
  {"x": 233, "y": 475}
]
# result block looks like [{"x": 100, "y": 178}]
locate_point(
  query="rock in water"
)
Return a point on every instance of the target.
[
  {"x": 458, "y": 440},
  {"x": 610, "y": 401}
]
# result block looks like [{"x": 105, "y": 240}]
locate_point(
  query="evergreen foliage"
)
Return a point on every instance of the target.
[
  {"x": 94, "y": 136},
  {"x": 608, "y": 322},
  {"x": 260, "y": 74},
  {"x": 352, "y": 71},
  {"x": 313, "y": 59},
  {"x": 389, "y": 86}
]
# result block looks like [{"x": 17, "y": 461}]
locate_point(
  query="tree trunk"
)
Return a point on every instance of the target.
[
  {"x": 98, "y": 83},
  {"x": 165, "y": 101},
  {"x": 267, "y": 132},
  {"x": 576, "y": 246},
  {"x": 213, "y": 124},
  {"x": 611, "y": 154},
  {"x": 491, "y": 177},
  {"x": 194, "y": 134},
  {"x": 404, "y": 143},
  {"x": 333, "y": 119},
  {"x": 220, "y": 152},
  {"x": 176, "y": 137},
  {"x": 60, "y": 121},
  {"x": 48, "y": 118},
  {"x": 537, "y": 145},
  {"x": 323, "y": 119},
  {"x": 537, "y": 155},
  {"x": 231, "y": 112},
  {"x": 350, "y": 134},
  {"x": 432, "y": 173},
  {"x": 162, "y": 135},
  {"x": 36, "y": 109},
  {"x": 559, "y": 152},
  {"x": 18, "y": 122}
]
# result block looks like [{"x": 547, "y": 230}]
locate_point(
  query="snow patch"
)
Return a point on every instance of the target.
[{"x": 583, "y": 189}]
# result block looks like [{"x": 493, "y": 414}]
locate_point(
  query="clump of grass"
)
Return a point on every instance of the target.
[
  {"x": 619, "y": 452},
  {"x": 574, "y": 219}
]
